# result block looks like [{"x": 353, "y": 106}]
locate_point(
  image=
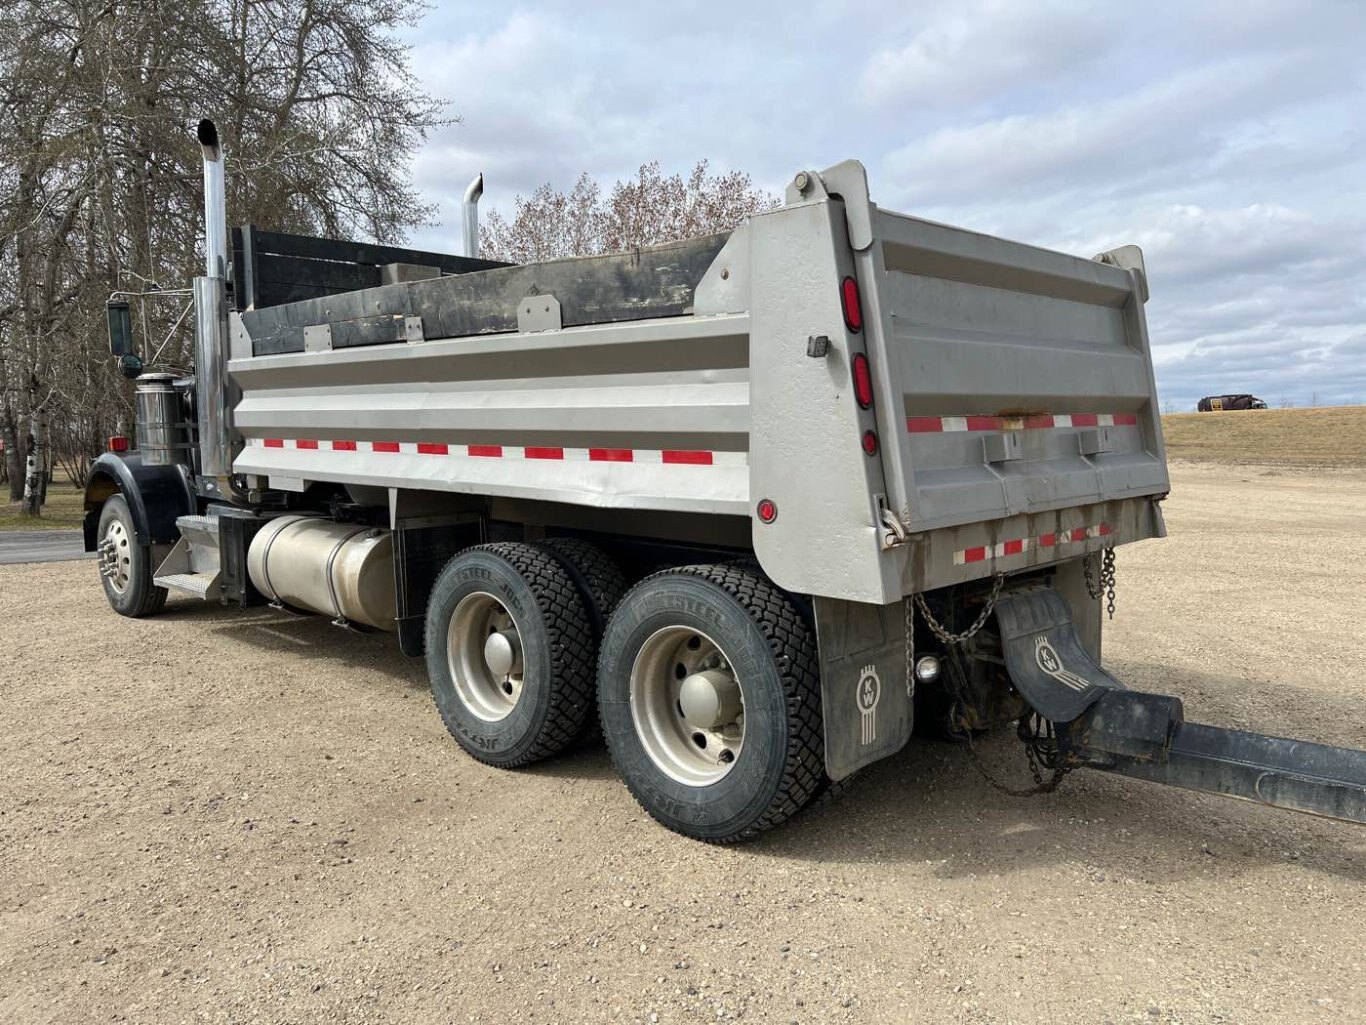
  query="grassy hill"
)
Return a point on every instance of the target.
[{"x": 1329, "y": 436}]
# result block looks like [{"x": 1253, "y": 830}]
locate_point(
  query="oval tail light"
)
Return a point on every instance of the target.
[
  {"x": 853, "y": 308},
  {"x": 863, "y": 381}
]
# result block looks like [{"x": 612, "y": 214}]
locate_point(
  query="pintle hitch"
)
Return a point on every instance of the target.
[{"x": 1102, "y": 725}]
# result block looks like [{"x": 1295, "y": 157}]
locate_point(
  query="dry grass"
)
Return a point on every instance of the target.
[
  {"x": 63, "y": 511},
  {"x": 1331, "y": 436}
]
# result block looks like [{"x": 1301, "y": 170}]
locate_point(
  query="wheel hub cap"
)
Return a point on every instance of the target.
[
  {"x": 709, "y": 699},
  {"x": 503, "y": 653}
]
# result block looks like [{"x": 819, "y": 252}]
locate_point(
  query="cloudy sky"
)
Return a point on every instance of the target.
[{"x": 1228, "y": 139}]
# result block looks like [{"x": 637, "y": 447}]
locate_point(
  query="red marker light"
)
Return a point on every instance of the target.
[
  {"x": 853, "y": 309},
  {"x": 870, "y": 442},
  {"x": 767, "y": 510},
  {"x": 863, "y": 381},
  {"x": 118, "y": 443}
]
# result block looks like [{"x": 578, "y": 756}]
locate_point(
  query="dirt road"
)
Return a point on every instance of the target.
[{"x": 209, "y": 817}]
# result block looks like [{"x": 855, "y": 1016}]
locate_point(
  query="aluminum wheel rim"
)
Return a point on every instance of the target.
[
  {"x": 485, "y": 689},
  {"x": 691, "y": 752},
  {"x": 116, "y": 556}
]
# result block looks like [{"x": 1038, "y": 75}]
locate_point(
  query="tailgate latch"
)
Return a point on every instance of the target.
[{"x": 893, "y": 532}]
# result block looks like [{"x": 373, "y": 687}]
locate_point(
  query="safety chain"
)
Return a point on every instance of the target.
[
  {"x": 1041, "y": 751},
  {"x": 910, "y": 649},
  {"x": 943, "y": 634},
  {"x": 1107, "y": 580},
  {"x": 1041, "y": 748}
]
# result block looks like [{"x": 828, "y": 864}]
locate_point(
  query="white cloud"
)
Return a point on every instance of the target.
[{"x": 977, "y": 50}]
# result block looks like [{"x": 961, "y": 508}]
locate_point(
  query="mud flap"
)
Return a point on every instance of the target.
[
  {"x": 866, "y": 699},
  {"x": 1044, "y": 656}
]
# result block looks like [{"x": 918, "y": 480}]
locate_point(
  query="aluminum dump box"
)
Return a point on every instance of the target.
[{"x": 1011, "y": 422}]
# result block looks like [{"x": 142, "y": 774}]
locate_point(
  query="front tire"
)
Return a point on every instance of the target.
[
  {"x": 125, "y": 565},
  {"x": 709, "y": 688},
  {"x": 510, "y": 654}
]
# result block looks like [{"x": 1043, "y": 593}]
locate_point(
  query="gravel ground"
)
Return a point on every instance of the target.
[{"x": 216, "y": 817}]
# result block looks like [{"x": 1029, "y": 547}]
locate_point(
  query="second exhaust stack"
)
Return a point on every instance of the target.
[{"x": 471, "y": 225}]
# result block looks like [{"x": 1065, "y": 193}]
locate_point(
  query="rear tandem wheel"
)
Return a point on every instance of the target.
[
  {"x": 510, "y": 653},
  {"x": 709, "y": 688}
]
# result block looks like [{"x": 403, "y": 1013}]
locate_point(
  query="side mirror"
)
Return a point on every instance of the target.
[{"x": 120, "y": 328}]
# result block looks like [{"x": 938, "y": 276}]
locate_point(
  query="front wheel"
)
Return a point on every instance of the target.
[
  {"x": 125, "y": 565},
  {"x": 710, "y": 697}
]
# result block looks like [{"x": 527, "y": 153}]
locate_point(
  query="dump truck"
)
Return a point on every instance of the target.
[
  {"x": 747, "y": 504},
  {"x": 1223, "y": 403}
]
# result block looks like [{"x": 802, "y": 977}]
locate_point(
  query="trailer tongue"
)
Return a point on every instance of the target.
[{"x": 1099, "y": 724}]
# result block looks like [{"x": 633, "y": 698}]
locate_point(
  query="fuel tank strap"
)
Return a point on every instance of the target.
[{"x": 1044, "y": 657}]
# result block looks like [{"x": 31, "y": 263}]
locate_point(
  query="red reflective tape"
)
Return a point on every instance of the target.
[
  {"x": 384, "y": 446},
  {"x": 1048, "y": 540},
  {"x": 308, "y": 443},
  {"x": 1078, "y": 535},
  {"x": 544, "y": 453},
  {"x": 343, "y": 446},
  {"x": 975, "y": 555},
  {"x": 493, "y": 451},
  {"x": 1126, "y": 419},
  {"x": 1013, "y": 547},
  {"x": 611, "y": 455},
  {"x": 275, "y": 443},
  {"x": 984, "y": 423},
  {"x": 433, "y": 448},
  {"x": 924, "y": 424},
  {"x": 1035, "y": 423},
  {"x": 694, "y": 458},
  {"x": 1084, "y": 420},
  {"x": 1106, "y": 530}
]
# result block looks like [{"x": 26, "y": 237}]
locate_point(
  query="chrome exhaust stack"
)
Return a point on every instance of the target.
[
  {"x": 471, "y": 221},
  {"x": 215, "y": 202},
  {"x": 211, "y": 322}
]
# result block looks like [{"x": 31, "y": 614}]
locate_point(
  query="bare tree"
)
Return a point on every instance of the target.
[
  {"x": 100, "y": 172},
  {"x": 649, "y": 209}
]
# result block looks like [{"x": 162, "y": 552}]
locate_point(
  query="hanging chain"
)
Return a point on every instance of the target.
[
  {"x": 1040, "y": 742},
  {"x": 951, "y": 639},
  {"x": 1106, "y": 586},
  {"x": 910, "y": 649}
]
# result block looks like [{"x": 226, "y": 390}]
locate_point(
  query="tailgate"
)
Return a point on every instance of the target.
[{"x": 1020, "y": 378}]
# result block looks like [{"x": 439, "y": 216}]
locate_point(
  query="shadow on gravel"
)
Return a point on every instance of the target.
[
  {"x": 312, "y": 638},
  {"x": 931, "y": 805}
]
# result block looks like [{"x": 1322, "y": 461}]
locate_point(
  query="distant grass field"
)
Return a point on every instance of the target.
[
  {"x": 1329, "y": 436},
  {"x": 64, "y": 509}
]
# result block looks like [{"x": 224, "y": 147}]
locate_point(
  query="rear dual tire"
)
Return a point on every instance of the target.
[
  {"x": 512, "y": 643},
  {"x": 657, "y": 659},
  {"x": 707, "y": 680}
]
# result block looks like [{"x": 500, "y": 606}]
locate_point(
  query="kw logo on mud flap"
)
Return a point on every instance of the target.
[
  {"x": 867, "y": 695},
  {"x": 1051, "y": 663}
]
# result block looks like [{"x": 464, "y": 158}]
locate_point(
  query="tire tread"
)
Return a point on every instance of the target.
[
  {"x": 794, "y": 653},
  {"x": 573, "y": 694}
]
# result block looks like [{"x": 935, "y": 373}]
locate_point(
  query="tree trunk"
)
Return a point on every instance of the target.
[
  {"x": 35, "y": 467},
  {"x": 14, "y": 464}
]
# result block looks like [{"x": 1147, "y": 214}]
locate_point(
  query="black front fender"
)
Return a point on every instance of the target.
[{"x": 156, "y": 495}]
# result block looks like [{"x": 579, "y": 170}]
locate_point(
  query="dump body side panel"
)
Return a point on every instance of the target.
[{"x": 638, "y": 415}]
